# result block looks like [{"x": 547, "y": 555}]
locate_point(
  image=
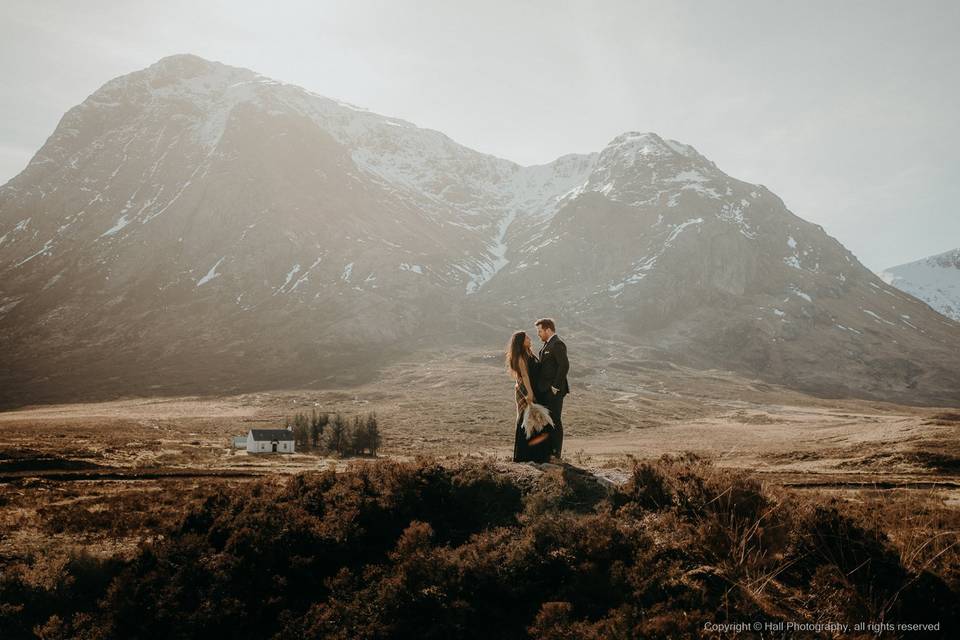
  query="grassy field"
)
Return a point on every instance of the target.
[{"x": 724, "y": 499}]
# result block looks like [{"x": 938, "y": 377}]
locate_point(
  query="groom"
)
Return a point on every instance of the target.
[{"x": 552, "y": 381}]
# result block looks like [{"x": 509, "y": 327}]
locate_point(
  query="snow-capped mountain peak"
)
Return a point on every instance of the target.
[
  {"x": 935, "y": 280},
  {"x": 197, "y": 212}
]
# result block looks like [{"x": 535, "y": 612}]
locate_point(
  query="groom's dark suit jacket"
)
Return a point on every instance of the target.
[{"x": 553, "y": 367}]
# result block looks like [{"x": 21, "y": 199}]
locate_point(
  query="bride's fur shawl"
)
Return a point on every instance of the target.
[{"x": 535, "y": 418}]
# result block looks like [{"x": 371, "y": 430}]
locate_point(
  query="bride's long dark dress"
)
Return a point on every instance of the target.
[{"x": 522, "y": 450}]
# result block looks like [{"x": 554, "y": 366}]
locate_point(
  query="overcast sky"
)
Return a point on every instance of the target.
[{"x": 846, "y": 110}]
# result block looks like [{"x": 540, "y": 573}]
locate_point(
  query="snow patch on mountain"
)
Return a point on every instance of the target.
[
  {"x": 679, "y": 229},
  {"x": 44, "y": 250},
  {"x": 413, "y": 268},
  {"x": 210, "y": 274}
]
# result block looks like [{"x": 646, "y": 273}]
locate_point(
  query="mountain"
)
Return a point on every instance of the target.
[
  {"x": 935, "y": 280},
  {"x": 196, "y": 227}
]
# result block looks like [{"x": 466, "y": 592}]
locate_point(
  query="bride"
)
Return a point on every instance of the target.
[{"x": 523, "y": 368}]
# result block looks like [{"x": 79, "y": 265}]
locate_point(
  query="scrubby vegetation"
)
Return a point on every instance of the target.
[
  {"x": 336, "y": 435},
  {"x": 419, "y": 550}
]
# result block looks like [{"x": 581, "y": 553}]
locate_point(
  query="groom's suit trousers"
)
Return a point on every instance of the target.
[{"x": 554, "y": 402}]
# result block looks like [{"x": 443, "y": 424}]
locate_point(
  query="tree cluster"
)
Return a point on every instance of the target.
[{"x": 359, "y": 435}]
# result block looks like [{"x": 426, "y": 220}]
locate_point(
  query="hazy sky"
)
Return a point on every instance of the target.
[{"x": 846, "y": 110}]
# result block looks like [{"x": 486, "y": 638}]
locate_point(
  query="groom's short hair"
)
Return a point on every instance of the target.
[{"x": 546, "y": 323}]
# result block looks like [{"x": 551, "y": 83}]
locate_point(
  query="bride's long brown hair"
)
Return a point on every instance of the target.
[{"x": 515, "y": 351}]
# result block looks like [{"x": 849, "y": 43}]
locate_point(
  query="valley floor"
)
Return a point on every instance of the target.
[{"x": 66, "y": 469}]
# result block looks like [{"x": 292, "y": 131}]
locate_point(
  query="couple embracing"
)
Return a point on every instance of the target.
[{"x": 541, "y": 384}]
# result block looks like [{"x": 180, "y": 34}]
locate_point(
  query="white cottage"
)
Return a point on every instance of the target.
[{"x": 270, "y": 441}]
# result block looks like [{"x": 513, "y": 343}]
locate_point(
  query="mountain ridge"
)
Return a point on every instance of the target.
[{"x": 202, "y": 226}]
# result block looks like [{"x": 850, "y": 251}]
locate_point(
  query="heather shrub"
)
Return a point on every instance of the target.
[
  {"x": 399, "y": 550},
  {"x": 730, "y": 519},
  {"x": 45, "y": 593},
  {"x": 762, "y": 539}
]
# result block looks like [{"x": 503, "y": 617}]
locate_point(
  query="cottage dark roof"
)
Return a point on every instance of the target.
[{"x": 271, "y": 434}]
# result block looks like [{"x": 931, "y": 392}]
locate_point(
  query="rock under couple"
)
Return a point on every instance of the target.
[{"x": 541, "y": 382}]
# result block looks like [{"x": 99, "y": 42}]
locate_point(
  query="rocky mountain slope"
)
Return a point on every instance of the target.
[
  {"x": 196, "y": 227},
  {"x": 935, "y": 280}
]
